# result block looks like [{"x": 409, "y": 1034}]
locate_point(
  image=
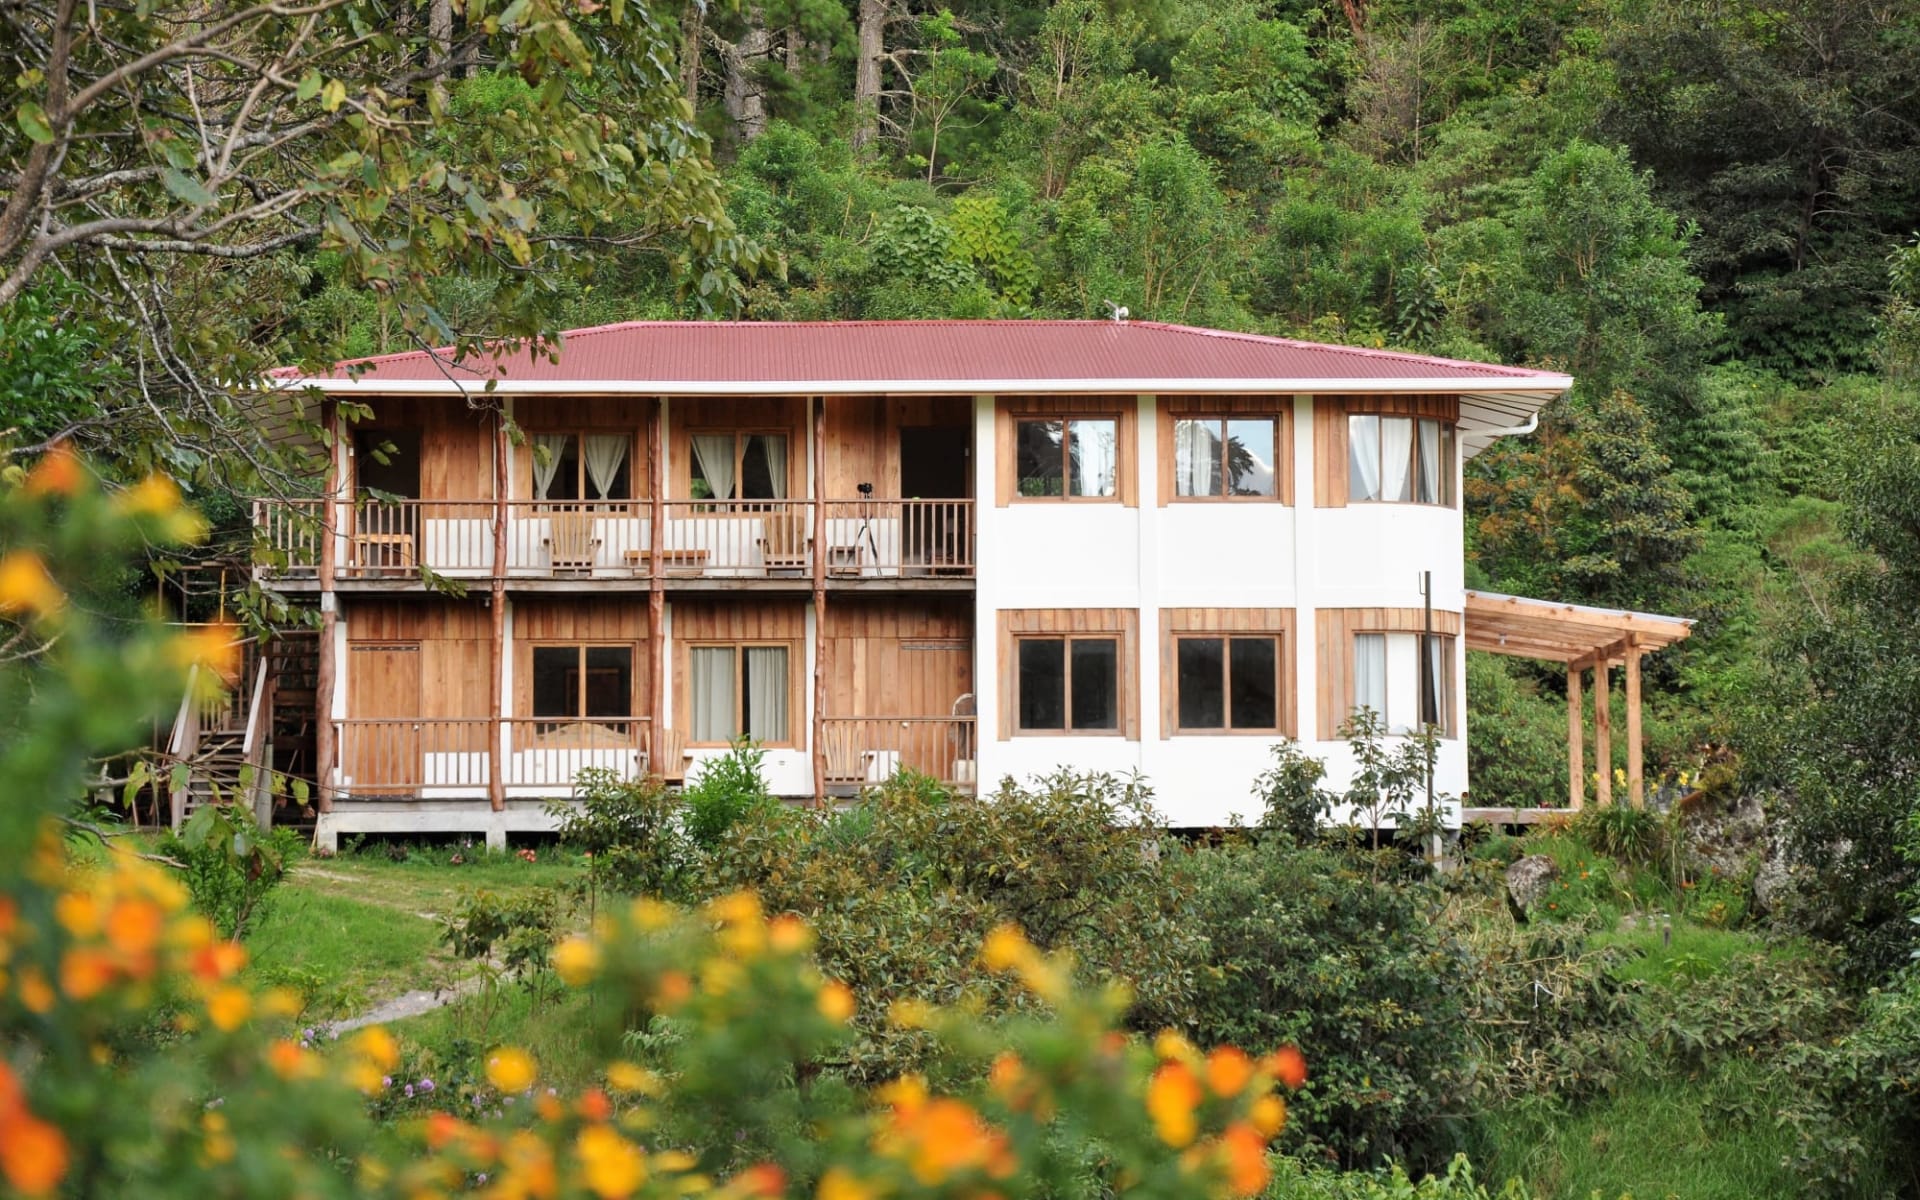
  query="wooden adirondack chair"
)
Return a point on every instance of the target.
[
  {"x": 571, "y": 543},
  {"x": 786, "y": 544}
]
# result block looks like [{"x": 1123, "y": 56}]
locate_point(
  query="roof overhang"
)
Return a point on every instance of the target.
[
  {"x": 1499, "y": 399},
  {"x": 1575, "y": 634}
]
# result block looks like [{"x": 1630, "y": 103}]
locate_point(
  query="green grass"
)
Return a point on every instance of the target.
[
  {"x": 1694, "y": 952},
  {"x": 554, "y": 1030}
]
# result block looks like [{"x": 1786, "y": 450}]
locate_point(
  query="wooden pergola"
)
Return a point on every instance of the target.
[{"x": 1583, "y": 638}]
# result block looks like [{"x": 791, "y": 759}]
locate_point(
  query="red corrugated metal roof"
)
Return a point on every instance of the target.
[{"x": 928, "y": 352}]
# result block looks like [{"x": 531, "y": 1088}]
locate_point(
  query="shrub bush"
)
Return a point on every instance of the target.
[
  {"x": 230, "y": 867},
  {"x": 630, "y": 833},
  {"x": 725, "y": 791}
]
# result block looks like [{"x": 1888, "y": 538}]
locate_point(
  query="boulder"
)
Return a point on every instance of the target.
[{"x": 1528, "y": 881}]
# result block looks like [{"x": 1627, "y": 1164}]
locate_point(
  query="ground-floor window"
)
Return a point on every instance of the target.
[
  {"x": 1069, "y": 684},
  {"x": 582, "y": 681},
  {"x": 738, "y": 689},
  {"x": 1227, "y": 684},
  {"x": 1405, "y": 678}
]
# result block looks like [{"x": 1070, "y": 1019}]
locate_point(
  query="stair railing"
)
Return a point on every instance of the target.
[
  {"x": 259, "y": 735},
  {"x": 182, "y": 746}
]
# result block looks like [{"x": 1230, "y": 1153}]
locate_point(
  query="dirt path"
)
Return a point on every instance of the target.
[{"x": 407, "y": 1004}]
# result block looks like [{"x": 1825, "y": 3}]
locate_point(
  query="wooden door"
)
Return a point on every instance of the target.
[{"x": 381, "y": 747}]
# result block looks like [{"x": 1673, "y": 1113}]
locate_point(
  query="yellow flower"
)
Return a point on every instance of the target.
[
  {"x": 78, "y": 913},
  {"x": 1172, "y": 1096},
  {"x": 215, "y": 647},
  {"x": 651, "y": 915},
  {"x": 154, "y": 496},
  {"x": 35, "y": 992},
  {"x": 627, "y": 1077},
  {"x": 736, "y": 908},
  {"x": 1170, "y": 1046},
  {"x": 228, "y": 1008},
  {"x": 364, "y": 1077},
  {"x": 1228, "y": 1070},
  {"x": 789, "y": 934},
  {"x": 134, "y": 926},
  {"x": 1005, "y": 948},
  {"x": 840, "y": 1184},
  {"x": 836, "y": 1002},
  {"x": 219, "y": 1146},
  {"x": 26, "y": 587},
  {"x": 576, "y": 961},
  {"x": 910, "y": 1014},
  {"x": 377, "y": 1046},
  {"x": 611, "y": 1165},
  {"x": 1269, "y": 1115},
  {"x": 511, "y": 1069}
]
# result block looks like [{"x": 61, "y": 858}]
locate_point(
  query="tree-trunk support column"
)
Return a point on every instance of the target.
[
  {"x": 497, "y": 603},
  {"x": 656, "y": 593},
  {"x": 323, "y": 681},
  {"x": 1636, "y": 768},
  {"x": 819, "y": 602},
  {"x": 1576, "y": 741},
  {"x": 1602, "y": 733}
]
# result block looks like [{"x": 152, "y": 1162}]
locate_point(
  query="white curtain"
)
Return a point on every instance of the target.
[
  {"x": 1363, "y": 458},
  {"x": 546, "y": 463},
  {"x": 1370, "y": 673},
  {"x": 1396, "y": 458},
  {"x": 1430, "y": 462},
  {"x": 1434, "y": 705},
  {"x": 713, "y": 453},
  {"x": 711, "y": 690},
  {"x": 1093, "y": 450},
  {"x": 604, "y": 452},
  {"x": 767, "y": 693},
  {"x": 1195, "y": 458},
  {"x": 776, "y": 448}
]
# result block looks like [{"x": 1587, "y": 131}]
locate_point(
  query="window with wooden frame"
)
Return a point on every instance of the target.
[
  {"x": 1067, "y": 684},
  {"x": 738, "y": 688},
  {"x": 568, "y": 465},
  {"x": 1226, "y": 457},
  {"x": 581, "y": 682},
  {"x": 1405, "y": 678},
  {"x": 1067, "y": 457},
  {"x": 738, "y": 464},
  {"x": 1399, "y": 460},
  {"x": 1228, "y": 683}
]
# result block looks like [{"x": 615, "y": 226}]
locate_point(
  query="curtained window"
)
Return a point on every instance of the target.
[
  {"x": 582, "y": 466},
  {"x": 1399, "y": 460},
  {"x": 1225, "y": 456},
  {"x": 1227, "y": 683},
  {"x": 1406, "y": 678},
  {"x": 1071, "y": 457},
  {"x": 736, "y": 690},
  {"x": 738, "y": 466},
  {"x": 1068, "y": 684}
]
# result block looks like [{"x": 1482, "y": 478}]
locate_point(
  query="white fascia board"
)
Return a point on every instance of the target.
[{"x": 1537, "y": 387}]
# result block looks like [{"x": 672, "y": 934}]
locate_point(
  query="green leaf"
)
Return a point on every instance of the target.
[
  {"x": 309, "y": 86},
  {"x": 187, "y": 188},
  {"x": 33, "y": 123},
  {"x": 333, "y": 95}
]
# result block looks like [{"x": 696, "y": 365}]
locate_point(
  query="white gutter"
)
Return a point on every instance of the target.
[
  {"x": 1542, "y": 386},
  {"x": 1533, "y": 423}
]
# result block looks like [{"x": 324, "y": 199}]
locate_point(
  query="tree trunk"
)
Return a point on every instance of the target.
[
  {"x": 866, "y": 72},
  {"x": 692, "y": 30},
  {"x": 746, "y": 93},
  {"x": 440, "y": 27}
]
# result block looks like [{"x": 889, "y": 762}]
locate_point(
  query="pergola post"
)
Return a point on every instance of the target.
[
  {"x": 1576, "y": 741},
  {"x": 1602, "y": 733},
  {"x": 1636, "y": 778}
]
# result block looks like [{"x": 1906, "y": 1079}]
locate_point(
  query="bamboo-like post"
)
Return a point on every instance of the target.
[
  {"x": 496, "y": 679},
  {"x": 323, "y": 680},
  {"x": 1603, "y": 733},
  {"x": 819, "y": 602},
  {"x": 656, "y": 591},
  {"x": 1576, "y": 741},
  {"x": 1636, "y": 768}
]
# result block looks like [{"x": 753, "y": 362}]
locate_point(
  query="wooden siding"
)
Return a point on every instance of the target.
[
  {"x": 1125, "y": 622},
  {"x": 754, "y": 622},
  {"x": 863, "y": 438},
  {"x": 575, "y": 621},
  {"x": 1170, "y": 408},
  {"x": 1228, "y": 621},
  {"x": 1330, "y": 415},
  {"x": 774, "y": 414},
  {"x": 453, "y": 639},
  {"x": 1126, "y": 409},
  {"x": 456, "y": 444},
  {"x": 898, "y": 658},
  {"x": 1333, "y": 651},
  {"x": 586, "y": 414}
]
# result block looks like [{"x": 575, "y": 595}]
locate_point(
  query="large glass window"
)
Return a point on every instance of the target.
[
  {"x": 738, "y": 466},
  {"x": 1399, "y": 460},
  {"x": 582, "y": 681},
  {"x": 1068, "y": 684},
  {"x": 1225, "y": 456},
  {"x": 1228, "y": 683},
  {"x": 582, "y": 466},
  {"x": 738, "y": 690},
  {"x": 1067, "y": 458},
  {"x": 1405, "y": 678}
]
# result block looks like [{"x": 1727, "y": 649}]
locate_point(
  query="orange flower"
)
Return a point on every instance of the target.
[
  {"x": 443, "y": 1129},
  {"x": 134, "y": 926},
  {"x": 674, "y": 990},
  {"x": 85, "y": 972},
  {"x": 229, "y": 1007},
  {"x": 215, "y": 647},
  {"x": 947, "y": 1136},
  {"x": 33, "y": 1153},
  {"x": 26, "y": 587},
  {"x": 789, "y": 934},
  {"x": 288, "y": 1060},
  {"x": 613, "y": 1167},
  {"x": 219, "y": 960},
  {"x": 511, "y": 1069},
  {"x": 58, "y": 473},
  {"x": 1289, "y": 1067},
  {"x": 594, "y": 1105},
  {"x": 1228, "y": 1070},
  {"x": 836, "y": 1002},
  {"x": 840, "y": 1184},
  {"x": 1269, "y": 1115},
  {"x": 1246, "y": 1154},
  {"x": 762, "y": 1179},
  {"x": 1006, "y": 948},
  {"x": 1172, "y": 1096},
  {"x": 576, "y": 961},
  {"x": 35, "y": 992}
]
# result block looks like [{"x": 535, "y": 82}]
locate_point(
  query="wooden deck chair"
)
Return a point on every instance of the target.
[
  {"x": 672, "y": 767},
  {"x": 571, "y": 543},
  {"x": 786, "y": 544}
]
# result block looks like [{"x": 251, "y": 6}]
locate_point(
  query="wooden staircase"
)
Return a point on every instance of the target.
[{"x": 260, "y": 726}]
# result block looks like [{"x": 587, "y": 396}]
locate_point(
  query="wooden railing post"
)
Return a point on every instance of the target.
[
  {"x": 656, "y": 591},
  {"x": 1576, "y": 741},
  {"x": 1603, "y": 732},
  {"x": 1636, "y": 770},
  {"x": 323, "y": 681},
  {"x": 819, "y": 557},
  {"x": 497, "y": 595}
]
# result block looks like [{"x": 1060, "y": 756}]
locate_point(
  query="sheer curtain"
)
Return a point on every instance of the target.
[
  {"x": 1195, "y": 460},
  {"x": 1433, "y": 707},
  {"x": 1363, "y": 458},
  {"x": 1396, "y": 458},
  {"x": 1091, "y": 457},
  {"x": 553, "y": 445},
  {"x": 710, "y": 687},
  {"x": 776, "y": 451},
  {"x": 1430, "y": 462},
  {"x": 1370, "y": 673},
  {"x": 767, "y": 693},
  {"x": 713, "y": 453},
  {"x": 604, "y": 452}
]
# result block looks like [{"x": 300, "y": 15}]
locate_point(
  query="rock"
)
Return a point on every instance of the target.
[
  {"x": 1736, "y": 840},
  {"x": 1528, "y": 880}
]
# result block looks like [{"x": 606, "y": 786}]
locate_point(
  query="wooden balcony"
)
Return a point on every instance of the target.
[
  {"x": 406, "y": 757},
  {"x": 863, "y": 751},
  {"x": 565, "y": 544}
]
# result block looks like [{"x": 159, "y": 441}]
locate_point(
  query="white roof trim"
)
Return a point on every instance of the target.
[{"x": 1537, "y": 387}]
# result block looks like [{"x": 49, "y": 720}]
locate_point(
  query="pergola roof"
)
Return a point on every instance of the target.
[{"x": 1565, "y": 633}]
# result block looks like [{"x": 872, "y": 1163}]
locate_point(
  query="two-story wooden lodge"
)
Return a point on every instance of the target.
[{"x": 971, "y": 548}]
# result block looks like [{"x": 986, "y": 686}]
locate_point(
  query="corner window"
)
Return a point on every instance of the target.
[
  {"x": 1227, "y": 684},
  {"x": 573, "y": 682},
  {"x": 1225, "y": 457},
  {"x": 582, "y": 466},
  {"x": 1069, "y": 684},
  {"x": 1406, "y": 678},
  {"x": 736, "y": 690},
  {"x": 738, "y": 466},
  {"x": 1403, "y": 460},
  {"x": 1068, "y": 458}
]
